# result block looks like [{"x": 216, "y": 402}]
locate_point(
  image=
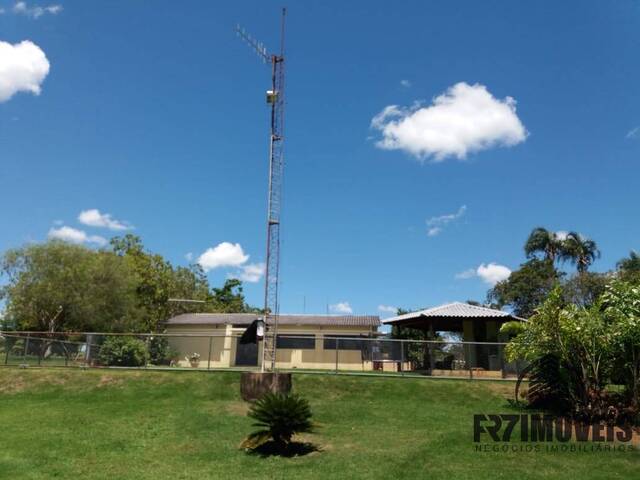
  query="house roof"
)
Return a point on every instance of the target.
[
  {"x": 283, "y": 319},
  {"x": 453, "y": 310}
]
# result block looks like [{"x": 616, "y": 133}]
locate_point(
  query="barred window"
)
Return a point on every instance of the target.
[
  {"x": 297, "y": 342},
  {"x": 345, "y": 342}
]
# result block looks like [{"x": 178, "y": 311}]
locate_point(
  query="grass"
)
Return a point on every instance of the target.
[{"x": 60, "y": 423}]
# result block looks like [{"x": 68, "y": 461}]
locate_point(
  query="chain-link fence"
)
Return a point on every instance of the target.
[{"x": 310, "y": 351}]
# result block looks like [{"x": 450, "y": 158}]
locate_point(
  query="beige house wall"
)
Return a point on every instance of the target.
[{"x": 220, "y": 352}]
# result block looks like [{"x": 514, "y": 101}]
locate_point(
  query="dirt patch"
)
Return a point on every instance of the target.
[
  {"x": 12, "y": 385},
  {"x": 109, "y": 381},
  {"x": 237, "y": 408}
]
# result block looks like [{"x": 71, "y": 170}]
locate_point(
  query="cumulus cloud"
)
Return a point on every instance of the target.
[
  {"x": 94, "y": 218},
  {"x": 73, "y": 235},
  {"x": 23, "y": 68},
  {"x": 436, "y": 224},
  {"x": 251, "y": 273},
  {"x": 341, "y": 307},
  {"x": 493, "y": 273},
  {"x": 490, "y": 273},
  {"x": 405, "y": 83},
  {"x": 388, "y": 309},
  {"x": 464, "y": 119},
  {"x": 36, "y": 11},
  {"x": 225, "y": 254}
]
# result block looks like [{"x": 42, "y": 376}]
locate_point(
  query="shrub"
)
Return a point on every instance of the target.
[
  {"x": 160, "y": 353},
  {"x": 279, "y": 417},
  {"x": 123, "y": 351}
]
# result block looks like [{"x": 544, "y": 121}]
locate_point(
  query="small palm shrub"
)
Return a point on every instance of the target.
[{"x": 279, "y": 416}]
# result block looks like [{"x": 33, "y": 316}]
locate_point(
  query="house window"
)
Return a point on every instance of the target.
[
  {"x": 296, "y": 342},
  {"x": 345, "y": 342}
]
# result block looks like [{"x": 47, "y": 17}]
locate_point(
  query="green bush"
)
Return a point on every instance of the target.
[
  {"x": 279, "y": 417},
  {"x": 160, "y": 353},
  {"x": 123, "y": 351}
]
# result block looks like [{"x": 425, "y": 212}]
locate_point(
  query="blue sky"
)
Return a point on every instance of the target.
[{"x": 154, "y": 113}]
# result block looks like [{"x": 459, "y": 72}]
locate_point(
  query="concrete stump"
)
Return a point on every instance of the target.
[{"x": 254, "y": 385}]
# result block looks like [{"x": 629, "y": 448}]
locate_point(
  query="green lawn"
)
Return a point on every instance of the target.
[{"x": 60, "y": 423}]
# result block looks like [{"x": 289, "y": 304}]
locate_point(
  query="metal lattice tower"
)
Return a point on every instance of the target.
[{"x": 275, "y": 98}]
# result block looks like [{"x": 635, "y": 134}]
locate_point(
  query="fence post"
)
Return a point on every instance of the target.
[
  {"x": 26, "y": 348},
  {"x": 337, "y": 351},
  {"x": 209, "y": 357},
  {"x": 147, "y": 344},
  {"x": 467, "y": 350},
  {"x": 432, "y": 359},
  {"x": 402, "y": 357},
  {"x": 87, "y": 350}
]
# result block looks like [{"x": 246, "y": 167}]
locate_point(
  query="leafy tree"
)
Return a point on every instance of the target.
[
  {"x": 526, "y": 288},
  {"x": 621, "y": 304},
  {"x": 58, "y": 286},
  {"x": 230, "y": 298},
  {"x": 158, "y": 281},
  {"x": 629, "y": 268},
  {"x": 585, "y": 288},
  {"x": 567, "y": 333},
  {"x": 580, "y": 251},
  {"x": 545, "y": 242}
]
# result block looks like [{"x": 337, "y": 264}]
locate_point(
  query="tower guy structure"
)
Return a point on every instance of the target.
[{"x": 275, "y": 99}]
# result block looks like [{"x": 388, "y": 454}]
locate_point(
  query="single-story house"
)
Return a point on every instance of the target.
[
  {"x": 304, "y": 341},
  {"x": 479, "y": 328}
]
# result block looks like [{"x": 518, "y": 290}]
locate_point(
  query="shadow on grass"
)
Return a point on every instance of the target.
[{"x": 292, "y": 449}]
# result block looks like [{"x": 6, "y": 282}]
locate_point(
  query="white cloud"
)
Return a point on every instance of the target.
[
  {"x": 490, "y": 273},
  {"x": 633, "y": 133},
  {"x": 341, "y": 307},
  {"x": 251, "y": 273},
  {"x": 94, "y": 218},
  {"x": 23, "y": 68},
  {"x": 433, "y": 231},
  {"x": 437, "y": 224},
  {"x": 73, "y": 235},
  {"x": 189, "y": 256},
  {"x": 493, "y": 273},
  {"x": 225, "y": 254},
  {"x": 405, "y": 83},
  {"x": 464, "y": 119},
  {"x": 36, "y": 11},
  {"x": 562, "y": 235},
  {"x": 387, "y": 309},
  {"x": 466, "y": 274}
]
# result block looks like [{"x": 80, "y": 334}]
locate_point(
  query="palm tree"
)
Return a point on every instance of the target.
[
  {"x": 543, "y": 241},
  {"x": 580, "y": 251}
]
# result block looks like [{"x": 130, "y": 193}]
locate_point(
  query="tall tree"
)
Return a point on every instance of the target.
[
  {"x": 629, "y": 267},
  {"x": 58, "y": 286},
  {"x": 545, "y": 242},
  {"x": 526, "y": 288},
  {"x": 580, "y": 251}
]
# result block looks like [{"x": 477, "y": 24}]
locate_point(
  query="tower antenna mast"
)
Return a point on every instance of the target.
[{"x": 275, "y": 98}]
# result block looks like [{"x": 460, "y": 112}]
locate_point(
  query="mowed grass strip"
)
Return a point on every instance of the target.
[{"x": 108, "y": 424}]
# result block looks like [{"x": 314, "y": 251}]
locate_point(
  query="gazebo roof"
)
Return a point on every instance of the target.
[{"x": 450, "y": 314}]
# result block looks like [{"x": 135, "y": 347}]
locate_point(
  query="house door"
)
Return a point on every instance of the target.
[{"x": 247, "y": 354}]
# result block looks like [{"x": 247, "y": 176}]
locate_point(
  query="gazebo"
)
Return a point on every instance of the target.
[{"x": 479, "y": 327}]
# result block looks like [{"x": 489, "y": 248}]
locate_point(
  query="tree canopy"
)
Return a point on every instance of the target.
[{"x": 57, "y": 286}]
